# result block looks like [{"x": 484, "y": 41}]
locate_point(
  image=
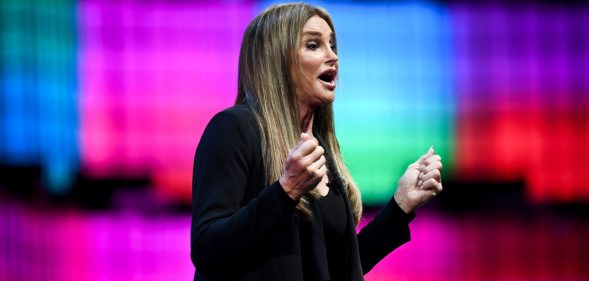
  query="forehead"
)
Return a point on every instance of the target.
[{"x": 317, "y": 25}]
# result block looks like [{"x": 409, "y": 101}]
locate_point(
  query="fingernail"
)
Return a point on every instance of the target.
[
  {"x": 420, "y": 183},
  {"x": 431, "y": 149}
]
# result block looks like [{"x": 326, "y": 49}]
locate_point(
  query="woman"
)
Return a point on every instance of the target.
[{"x": 272, "y": 198}]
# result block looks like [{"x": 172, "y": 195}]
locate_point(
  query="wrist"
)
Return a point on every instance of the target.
[
  {"x": 291, "y": 192},
  {"x": 402, "y": 202}
]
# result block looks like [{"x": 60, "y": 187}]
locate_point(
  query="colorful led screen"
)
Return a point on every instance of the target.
[{"x": 108, "y": 88}]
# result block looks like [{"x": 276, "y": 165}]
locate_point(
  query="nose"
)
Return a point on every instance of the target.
[{"x": 331, "y": 56}]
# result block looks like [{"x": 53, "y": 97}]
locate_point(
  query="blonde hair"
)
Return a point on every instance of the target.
[{"x": 268, "y": 52}]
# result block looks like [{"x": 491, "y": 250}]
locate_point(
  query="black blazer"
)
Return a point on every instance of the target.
[{"x": 245, "y": 230}]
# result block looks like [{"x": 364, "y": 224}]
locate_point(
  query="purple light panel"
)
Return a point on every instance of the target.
[
  {"x": 69, "y": 245},
  {"x": 152, "y": 75},
  {"x": 523, "y": 97},
  {"x": 38, "y": 244}
]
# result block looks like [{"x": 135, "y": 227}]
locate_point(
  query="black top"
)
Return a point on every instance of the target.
[
  {"x": 243, "y": 229},
  {"x": 333, "y": 212}
]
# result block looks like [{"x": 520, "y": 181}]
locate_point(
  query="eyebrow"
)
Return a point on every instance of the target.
[{"x": 316, "y": 33}]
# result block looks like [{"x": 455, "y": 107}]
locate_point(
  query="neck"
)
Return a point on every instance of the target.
[{"x": 306, "y": 114}]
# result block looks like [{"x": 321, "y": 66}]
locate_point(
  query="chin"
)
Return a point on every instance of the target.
[
  {"x": 327, "y": 99},
  {"x": 331, "y": 99}
]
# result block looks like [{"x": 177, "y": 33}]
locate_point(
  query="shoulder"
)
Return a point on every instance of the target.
[
  {"x": 230, "y": 139},
  {"x": 239, "y": 115},
  {"x": 238, "y": 110},
  {"x": 234, "y": 124}
]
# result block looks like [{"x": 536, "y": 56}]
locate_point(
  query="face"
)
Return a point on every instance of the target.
[{"x": 315, "y": 78}]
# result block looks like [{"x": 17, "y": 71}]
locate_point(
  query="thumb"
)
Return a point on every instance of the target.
[
  {"x": 305, "y": 136},
  {"x": 430, "y": 151}
]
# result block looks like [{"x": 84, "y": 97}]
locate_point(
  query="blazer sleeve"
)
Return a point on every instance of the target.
[
  {"x": 224, "y": 229},
  {"x": 386, "y": 232}
]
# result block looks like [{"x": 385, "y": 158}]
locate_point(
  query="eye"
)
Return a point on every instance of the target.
[
  {"x": 332, "y": 46},
  {"x": 312, "y": 45}
]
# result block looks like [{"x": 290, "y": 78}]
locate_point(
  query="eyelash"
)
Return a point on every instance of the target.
[{"x": 312, "y": 45}]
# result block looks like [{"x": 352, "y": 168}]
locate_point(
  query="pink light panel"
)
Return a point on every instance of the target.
[
  {"x": 152, "y": 75},
  {"x": 37, "y": 244}
]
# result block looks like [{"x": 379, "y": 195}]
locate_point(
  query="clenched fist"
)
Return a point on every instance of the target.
[
  {"x": 304, "y": 167},
  {"x": 421, "y": 182}
]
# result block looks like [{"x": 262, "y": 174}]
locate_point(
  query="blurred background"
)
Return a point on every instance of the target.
[{"x": 102, "y": 104}]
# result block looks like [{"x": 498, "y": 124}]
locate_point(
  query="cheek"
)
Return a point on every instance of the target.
[{"x": 310, "y": 65}]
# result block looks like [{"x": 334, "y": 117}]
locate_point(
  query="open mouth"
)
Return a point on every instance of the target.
[{"x": 328, "y": 76}]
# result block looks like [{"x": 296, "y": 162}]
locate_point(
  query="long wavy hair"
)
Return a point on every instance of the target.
[{"x": 265, "y": 83}]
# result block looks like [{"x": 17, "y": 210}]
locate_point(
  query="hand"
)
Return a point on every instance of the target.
[
  {"x": 304, "y": 167},
  {"x": 420, "y": 183}
]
